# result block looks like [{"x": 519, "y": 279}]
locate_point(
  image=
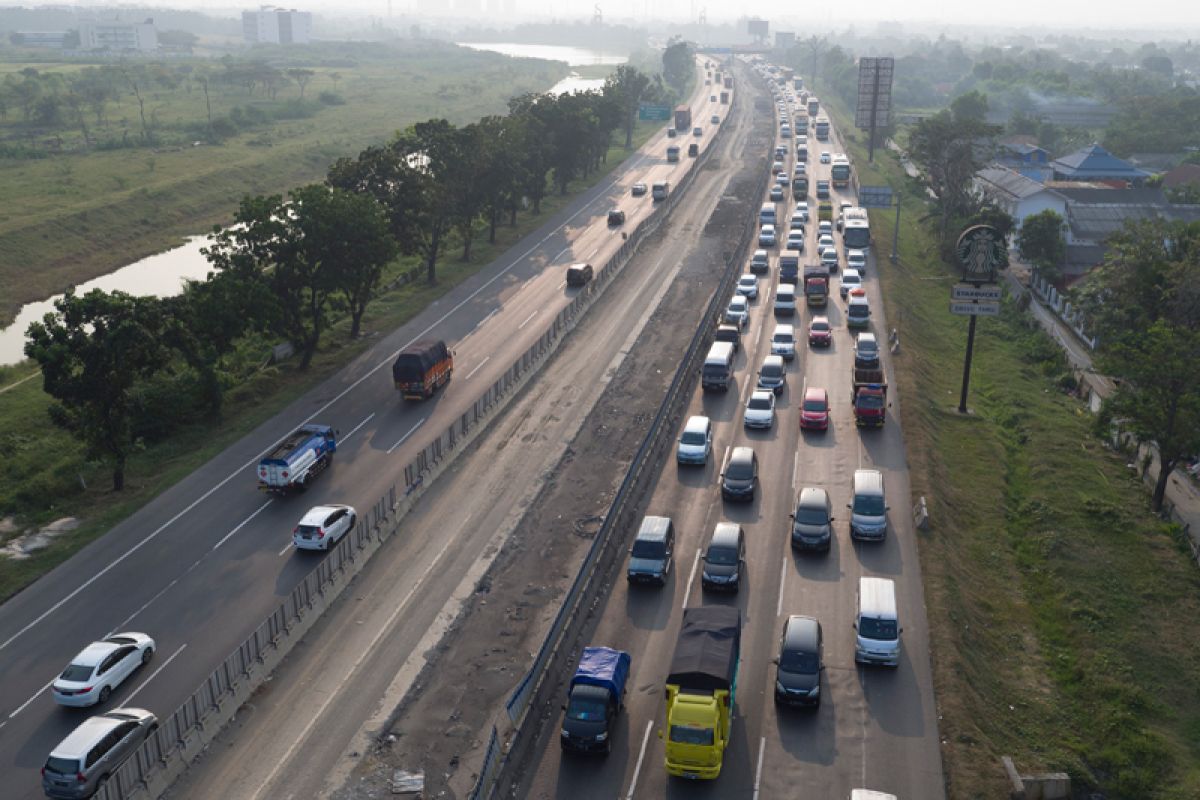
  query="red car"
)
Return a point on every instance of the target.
[
  {"x": 820, "y": 334},
  {"x": 814, "y": 412}
]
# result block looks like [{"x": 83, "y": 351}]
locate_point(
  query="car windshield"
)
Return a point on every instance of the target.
[
  {"x": 62, "y": 766},
  {"x": 648, "y": 549},
  {"x": 811, "y": 516},
  {"x": 814, "y": 405},
  {"x": 869, "y": 504},
  {"x": 585, "y": 708},
  {"x": 883, "y": 630},
  {"x": 740, "y": 470},
  {"x": 850, "y": 279},
  {"x": 771, "y": 371},
  {"x": 687, "y": 734},
  {"x": 759, "y": 404},
  {"x": 692, "y": 437},
  {"x": 799, "y": 662},
  {"x": 871, "y": 401},
  {"x": 749, "y": 280},
  {"x": 783, "y": 338},
  {"x": 76, "y": 672},
  {"x": 820, "y": 326},
  {"x": 722, "y": 556}
]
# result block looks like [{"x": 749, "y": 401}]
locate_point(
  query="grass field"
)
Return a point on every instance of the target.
[
  {"x": 1059, "y": 606},
  {"x": 76, "y": 215},
  {"x": 44, "y": 469}
]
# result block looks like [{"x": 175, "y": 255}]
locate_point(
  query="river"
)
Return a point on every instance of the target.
[{"x": 164, "y": 274}]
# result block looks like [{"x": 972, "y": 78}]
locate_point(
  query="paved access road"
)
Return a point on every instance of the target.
[
  {"x": 875, "y": 728},
  {"x": 200, "y": 566}
]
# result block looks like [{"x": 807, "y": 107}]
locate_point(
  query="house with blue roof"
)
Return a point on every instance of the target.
[
  {"x": 1095, "y": 164},
  {"x": 1027, "y": 159}
]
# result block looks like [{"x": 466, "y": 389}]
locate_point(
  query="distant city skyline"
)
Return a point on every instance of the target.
[{"x": 1172, "y": 17}]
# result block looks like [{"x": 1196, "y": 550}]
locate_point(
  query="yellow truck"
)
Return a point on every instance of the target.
[{"x": 700, "y": 691}]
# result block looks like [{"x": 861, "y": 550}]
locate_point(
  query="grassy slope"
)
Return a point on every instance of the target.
[
  {"x": 1060, "y": 608},
  {"x": 40, "y": 474},
  {"x": 74, "y": 216}
]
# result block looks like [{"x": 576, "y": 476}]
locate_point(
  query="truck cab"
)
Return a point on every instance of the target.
[{"x": 594, "y": 700}]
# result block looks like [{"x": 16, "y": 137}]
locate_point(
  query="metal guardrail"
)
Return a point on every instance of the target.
[
  {"x": 179, "y": 738},
  {"x": 558, "y": 644}
]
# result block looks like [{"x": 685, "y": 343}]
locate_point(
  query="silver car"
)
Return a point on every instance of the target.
[
  {"x": 738, "y": 312},
  {"x": 747, "y": 286},
  {"x": 81, "y": 763},
  {"x": 100, "y": 668},
  {"x": 760, "y": 410}
]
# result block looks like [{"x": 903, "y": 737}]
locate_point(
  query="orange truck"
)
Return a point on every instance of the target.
[{"x": 422, "y": 368}]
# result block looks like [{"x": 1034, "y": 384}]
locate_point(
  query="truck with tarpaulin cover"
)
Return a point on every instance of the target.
[
  {"x": 422, "y": 368},
  {"x": 683, "y": 119},
  {"x": 594, "y": 699},
  {"x": 816, "y": 285},
  {"x": 292, "y": 464},
  {"x": 868, "y": 396},
  {"x": 700, "y": 691}
]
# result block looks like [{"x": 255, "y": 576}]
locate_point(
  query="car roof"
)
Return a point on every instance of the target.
[
  {"x": 697, "y": 423},
  {"x": 725, "y": 533},
  {"x": 821, "y": 318},
  {"x": 866, "y": 337},
  {"x": 813, "y": 497},
  {"x": 815, "y": 393},
  {"x": 773, "y": 359},
  {"x": 318, "y": 514},
  {"x": 83, "y": 738},
  {"x": 762, "y": 394},
  {"x": 853, "y": 272},
  {"x": 801, "y": 634},
  {"x": 743, "y": 453},
  {"x": 94, "y": 653},
  {"x": 784, "y": 328},
  {"x": 653, "y": 529}
]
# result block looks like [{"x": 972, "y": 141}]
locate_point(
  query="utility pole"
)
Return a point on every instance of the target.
[{"x": 896, "y": 236}]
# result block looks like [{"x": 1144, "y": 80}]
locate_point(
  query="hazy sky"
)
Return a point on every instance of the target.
[{"x": 1177, "y": 18}]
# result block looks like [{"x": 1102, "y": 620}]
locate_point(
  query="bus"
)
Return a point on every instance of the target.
[
  {"x": 856, "y": 229},
  {"x": 840, "y": 171},
  {"x": 822, "y": 127},
  {"x": 814, "y": 105}
]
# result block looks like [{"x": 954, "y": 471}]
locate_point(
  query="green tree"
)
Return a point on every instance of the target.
[
  {"x": 394, "y": 177},
  {"x": 950, "y": 152},
  {"x": 627, "y": 86},
  {"x": 1041, "y": 243},
  {"x": 92, "y": 351},
  {"x": 677, "y": 63},
  {"x": 1144, "y": 303},
  {"x": 301, "y": 77},
  {"x": 971, "y": 107},
  {"x": 362, "y": 247}
]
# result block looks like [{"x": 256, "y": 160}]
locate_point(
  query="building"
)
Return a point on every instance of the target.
[
  {"x": 1094, "y": 163},
  {"x": 1183, "y": 175},
  {"x": 1096, "y": 211},
  {"x": 271, "y": 25},
  {"x": 1018, "y": 195},
  {"x": 52, "y": 40},
  {"x": 1027, "y": 159},
  {"x": 118, "y": 36}
]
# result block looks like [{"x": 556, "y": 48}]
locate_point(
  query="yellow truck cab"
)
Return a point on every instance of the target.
[{"x": 700, "y": 691}]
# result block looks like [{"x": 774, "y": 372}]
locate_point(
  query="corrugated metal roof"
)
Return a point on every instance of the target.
[
  {"x": 1010, "y": 183},
  {"x": 1094, "y": 161}
]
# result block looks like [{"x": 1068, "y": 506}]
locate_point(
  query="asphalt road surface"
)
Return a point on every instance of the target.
[
  {"x": 200, "y": 566},
  {"x": 875, "y": 728}
]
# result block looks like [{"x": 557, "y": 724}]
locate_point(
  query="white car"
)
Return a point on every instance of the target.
[
  {"x": 323, "y": 527},
  {"x": 824, "y": 241},
  {"x": 800, "y": 170},
  {"x": 802, "y": 208},
  {"x": 829, "y": 259},
  {"x": 850, "y": 280},
  {"x": 783, "y": 342},
  {"x": 824, "y": 156},
  {"x": 747, "y": 286},
  {"x": 776, "y": 167},
  {"x": 796, "y": 221},
  {"x": 760, "y": 410},
  {"x": 101, "y": 667},
  {"x": 766, "y": 236},
  {"x": 715, "y": 120},
  {"x": 776, "y": 194},
  {"x": 795, "y": 240},
  {"x": 738, "y": 311},
  {"x": 825, "y": 226},
  {"x": 856, "y": 259},
  {"x": 760, "y": 262}
]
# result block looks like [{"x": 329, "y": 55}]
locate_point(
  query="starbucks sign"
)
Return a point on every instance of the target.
[{"x": 981, "y": 251}]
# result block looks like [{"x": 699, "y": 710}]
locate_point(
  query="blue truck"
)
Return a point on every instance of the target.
[
  {"x": 594, "y": 699},
  {"x": 290, "y": 465}
]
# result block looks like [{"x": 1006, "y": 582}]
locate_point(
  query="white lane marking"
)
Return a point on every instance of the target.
[
  {"x": 286, "y": 548},
  {"x": 637, "y": 769},
  {"x": 368, "y": 374},
  {"x": 483, "y": 321},
  {"x": 762, "y": 745},
  {"x": 783, "y": 571},
  {"x": 725, "y": 458},
  {"x": 411, "y": 431},
  {"x": 795, "y": 469},
  {"x": 154, "y": 674},
  {"x": 691, "y": 579},
  {"x": 561, "y": 285},
  {"x": 527, "y": 320},
  {"x": 331, "y": 696},
  {"x": 477, "y": 368},
  {"x": 147, "y": 604},
  {"x": 25, "y": 705},
  {"x": 355, "y": 429},
  {"x": 767, "y": 297},
  {"x": 561, "y": 253},
  {"x": 243, "y": 523}
]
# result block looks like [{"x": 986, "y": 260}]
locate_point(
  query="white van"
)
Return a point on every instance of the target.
[
  {"x": 878, "y": 628},
  {"x": 785, "y": 299},
  {"x": 766, "y": 214},
  {"x": 718, "y": 367},
  {"x": 659, "y": 191},
  {"x": 783, "y": 342}
]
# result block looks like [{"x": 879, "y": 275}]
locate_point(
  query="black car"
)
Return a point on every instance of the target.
[
  {"x": 812, "y": 522},
  {"x": 724, "y": 558},
  {"x": 729, "y": 333},
  {"x": 638, "y": 190},
  {"x": 616, "y": 217},
  {"x": 650, "y": 556},
  {"x": 800, "y": 663},
  {"x": 866, "y": 351},
  {"x": 740, "y": 478}
]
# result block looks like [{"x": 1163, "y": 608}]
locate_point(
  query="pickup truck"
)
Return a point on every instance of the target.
[
  {"x": 701, "y": 690},
  {"x": 868, "y": 396},
  {"x": 594, "y": 700},
  {"x": 422, "y": 368},
  {"x": 816, "y": 286},
  {"x": 290, "y": 465}
]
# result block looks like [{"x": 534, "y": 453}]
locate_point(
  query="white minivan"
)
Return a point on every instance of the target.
[
  {"x": 877, "y": 627},
  {"x": 766, "y": 214},
  {"x": 783, "y": 342},
  {"x": 785, "y": 299}
]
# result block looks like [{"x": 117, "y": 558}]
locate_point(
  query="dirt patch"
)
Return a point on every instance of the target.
[{"x": 445, "y": 719}]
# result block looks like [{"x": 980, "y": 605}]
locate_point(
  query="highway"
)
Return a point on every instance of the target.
[
  {"x": 875, "y": 728},
  {"x": 199, "y": 567}
]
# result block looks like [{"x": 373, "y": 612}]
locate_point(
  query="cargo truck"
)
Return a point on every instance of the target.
[
  {"x": 701, "y": 689},
  {"x": 594, "y": 699},
  {"x": 789, "y": 269},
  {"x": 290, "y": 465},
  {"x": 683, "y": 118},
  {"x": 725, "y": 98},
  {"x": 868, "y": 396},
  {"x": 822, "y": 129},
  {"x": 673, "y": 154},
  {"x": 422, "y": 368},
  {"x": 816, "y": 286}
]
